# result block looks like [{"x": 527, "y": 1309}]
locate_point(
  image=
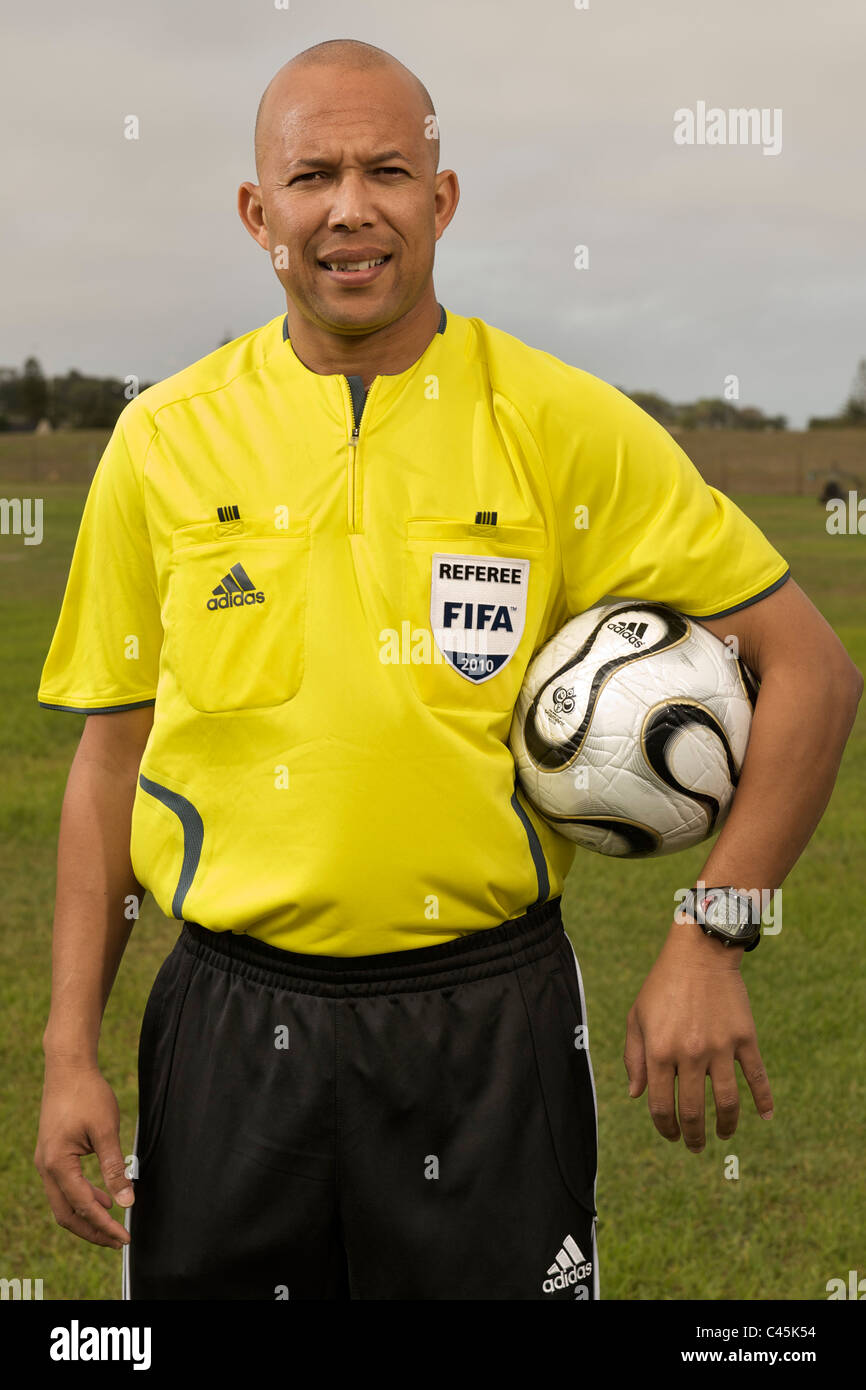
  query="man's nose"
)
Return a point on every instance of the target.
[{"x": 352, "y": 202}]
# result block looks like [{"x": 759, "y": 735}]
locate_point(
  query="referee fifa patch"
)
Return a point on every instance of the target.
[{"x": 477, "y": 611}]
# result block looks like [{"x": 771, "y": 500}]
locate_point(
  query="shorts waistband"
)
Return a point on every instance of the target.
[{"x": 475, "y": 955}]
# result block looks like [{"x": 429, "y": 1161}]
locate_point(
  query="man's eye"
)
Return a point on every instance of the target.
[{"x": 315, "y": 173}]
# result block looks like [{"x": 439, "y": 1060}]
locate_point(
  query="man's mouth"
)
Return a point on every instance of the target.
[{"x": 360, "y": 268}]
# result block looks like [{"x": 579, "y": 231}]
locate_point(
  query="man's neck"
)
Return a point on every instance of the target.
[{"x": 384, "y": 352}]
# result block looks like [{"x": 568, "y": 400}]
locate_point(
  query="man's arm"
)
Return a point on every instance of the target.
[
  {"x": 94, "y": 876},
  {"x": 692, "y": 1015},
  {"x": 810, "y": 689}
]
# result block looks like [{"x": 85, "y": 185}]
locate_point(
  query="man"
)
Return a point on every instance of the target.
[{"x": 358, "y": 1071}]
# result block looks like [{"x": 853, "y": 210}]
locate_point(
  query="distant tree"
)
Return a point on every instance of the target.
[
  {"x": 84, "y": 402},
  {"x": 709, "y": 413},
  {"x": 33, "y": 393},
  {"x": 749, "y": 417},
  {"x": 855, "y": 406},
  {"x": 73, "y": 401},
  {"x": 853, "y": 414},
  {"x": 656, "y": 406}
]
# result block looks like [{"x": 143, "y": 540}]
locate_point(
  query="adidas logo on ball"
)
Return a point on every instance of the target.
[{"x": 632, "y": 632}]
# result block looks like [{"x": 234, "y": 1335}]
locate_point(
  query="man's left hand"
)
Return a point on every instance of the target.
[{"x": 692, "y": 1018}]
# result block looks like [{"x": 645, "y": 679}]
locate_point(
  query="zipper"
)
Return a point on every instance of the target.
[
  {"x": 353, "y": 450},
  {"x": 353, "y": 453}
]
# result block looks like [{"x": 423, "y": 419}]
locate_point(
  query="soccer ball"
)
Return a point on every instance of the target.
[{"x": 630, "y": 729}]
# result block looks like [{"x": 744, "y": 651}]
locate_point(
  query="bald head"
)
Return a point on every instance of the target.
[{"x": 346, "y": 54}]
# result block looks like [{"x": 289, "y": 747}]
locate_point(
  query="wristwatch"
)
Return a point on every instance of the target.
[{"x": 726, "y": 914}]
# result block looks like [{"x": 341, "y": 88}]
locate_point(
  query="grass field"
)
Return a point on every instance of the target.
[{"x": 670, "y": 1226}]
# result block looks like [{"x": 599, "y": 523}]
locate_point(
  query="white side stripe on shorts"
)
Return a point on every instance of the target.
[
  {"x": 124, "y": 1254},
  {"x": 595, "y": 1291}
]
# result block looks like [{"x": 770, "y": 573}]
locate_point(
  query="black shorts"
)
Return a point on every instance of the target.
[{"x": 415, "y": 1125}]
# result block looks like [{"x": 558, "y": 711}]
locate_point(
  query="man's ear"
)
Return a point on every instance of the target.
[{"x": 252, "y": 213}]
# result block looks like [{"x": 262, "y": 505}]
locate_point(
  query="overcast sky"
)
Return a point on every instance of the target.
[{"x": 704, "y": 260}]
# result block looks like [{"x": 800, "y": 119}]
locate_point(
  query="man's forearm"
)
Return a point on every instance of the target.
[
  {"x": 801, "y": 723},
  {"x": 94, "y": 879}
]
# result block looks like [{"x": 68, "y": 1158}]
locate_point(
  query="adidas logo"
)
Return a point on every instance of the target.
[
  {"x": 234, "y": 590},
  {"x": 632, "y": 632},
  {"x": 569, "y": 1267}
]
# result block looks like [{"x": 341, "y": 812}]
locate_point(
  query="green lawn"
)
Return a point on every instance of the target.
[{"x": 670, "y": 1225}]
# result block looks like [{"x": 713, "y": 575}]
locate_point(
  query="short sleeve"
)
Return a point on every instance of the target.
[
  {"x": 636, "y": 519},
  {"x": 104, "y": 655}
]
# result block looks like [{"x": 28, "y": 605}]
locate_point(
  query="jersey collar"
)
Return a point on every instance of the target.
[
  {"x": 388, "y": 386},
  {"x": 443, "y": 319}
]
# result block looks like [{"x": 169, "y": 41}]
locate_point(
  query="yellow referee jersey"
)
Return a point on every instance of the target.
[{"x": 332, "y": 600}]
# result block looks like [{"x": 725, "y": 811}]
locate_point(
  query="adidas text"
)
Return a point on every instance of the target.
[
  {"x": 568, "y": 1268},
  {"x": 575, "y": 1275},
  {"x": 632, "y": 632},
  {"x": 235, "y": 600}
]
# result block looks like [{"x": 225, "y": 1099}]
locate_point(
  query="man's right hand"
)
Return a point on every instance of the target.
[{"x": 80, "y": 1115}]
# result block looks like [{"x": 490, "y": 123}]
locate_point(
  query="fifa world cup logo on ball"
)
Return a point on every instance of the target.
[{"x": 563, "y": 700}]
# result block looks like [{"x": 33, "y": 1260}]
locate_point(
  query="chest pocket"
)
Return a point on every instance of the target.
[
  {"x": 475, "y": 598},
  {"x": 236, "y": 612}
]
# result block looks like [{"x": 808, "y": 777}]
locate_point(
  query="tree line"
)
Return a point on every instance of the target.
[
  {"x": 77, "y": 401},
  {"x": 74, "y": 401}
]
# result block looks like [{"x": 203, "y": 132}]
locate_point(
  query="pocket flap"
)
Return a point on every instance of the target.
[{"x": 504, "y": 538}]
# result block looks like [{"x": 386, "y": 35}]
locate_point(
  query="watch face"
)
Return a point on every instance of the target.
[{"x": 728, "y": 912}]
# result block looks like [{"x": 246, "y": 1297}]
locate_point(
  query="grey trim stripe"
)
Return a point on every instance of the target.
[
  {"x": 535, "y": 849},
  {"x": 746, "y": 602},
  {"x": 193, "y": 837},
  {"x": 104, "y": 709}
]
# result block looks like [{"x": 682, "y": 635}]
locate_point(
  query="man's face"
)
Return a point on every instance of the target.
[{"x": 347, "y": 174}]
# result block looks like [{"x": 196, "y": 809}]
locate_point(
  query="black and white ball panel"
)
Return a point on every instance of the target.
[{"x": 630, "y": 729}]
